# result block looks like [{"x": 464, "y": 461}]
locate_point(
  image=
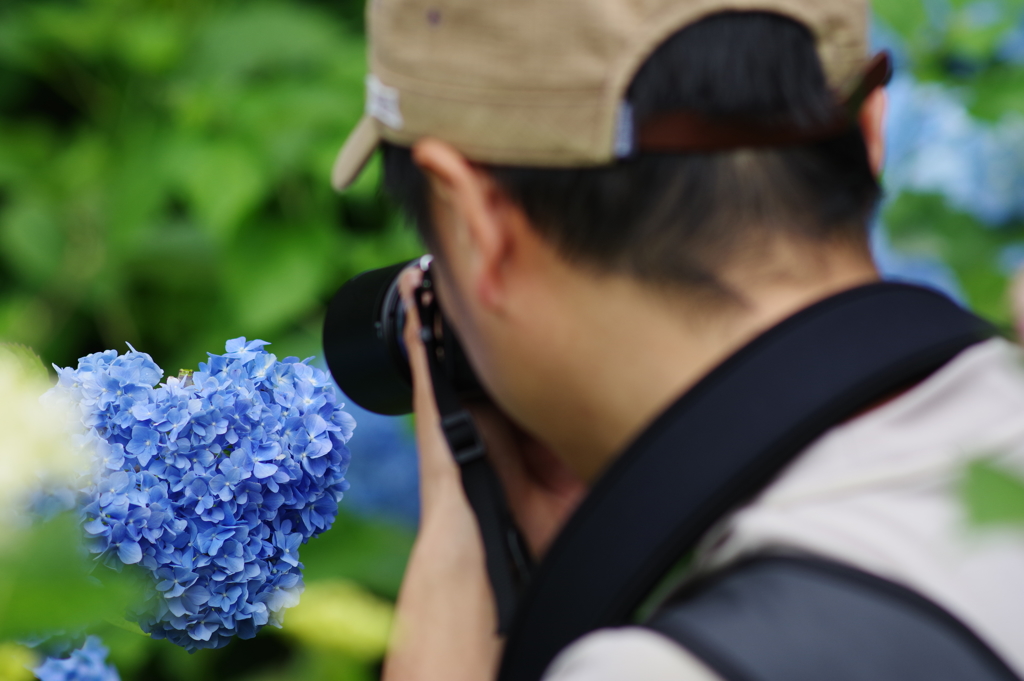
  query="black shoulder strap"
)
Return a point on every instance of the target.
[
  {"x": 788, "y": 618},
  {"x": 508, "y": 561},
  {"x": 719, "y": 444}
]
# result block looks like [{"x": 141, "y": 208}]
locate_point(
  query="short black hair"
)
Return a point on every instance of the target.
[{"x": 676, "y": 218}]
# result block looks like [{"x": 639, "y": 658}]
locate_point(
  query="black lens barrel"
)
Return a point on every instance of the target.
[{"x": 362, "y": 342}]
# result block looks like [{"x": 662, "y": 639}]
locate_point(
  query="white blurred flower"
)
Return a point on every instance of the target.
[{"x": 35, "y": 448}]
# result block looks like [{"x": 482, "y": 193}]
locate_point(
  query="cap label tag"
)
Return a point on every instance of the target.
[
  {"x": 624, "y": 131},
  {"x": 382, "y": 103}
]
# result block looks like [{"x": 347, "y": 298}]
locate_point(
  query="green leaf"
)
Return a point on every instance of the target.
[
  {"x": 125, "y": 625},
  {"x": 31, "y": 239},
  {"x": 992, "y": 495},
  {"x": 26, "y": 358},
  {"x": 151, "y": 42},
  {"x": 25, "y": 319},
  {"x": 926, "y": 224},
  {"x": 48, "y": 582},
  {"x": 977, "y": 42},
  {"x": 996, "y": 92},
  {"x": 222, "y": 180},
  {"x": 906, "y": 17},
  {"x": 320, "y": 665},
  {"x": 257, "y": 38},
  {"x": 370, "y": 552}
]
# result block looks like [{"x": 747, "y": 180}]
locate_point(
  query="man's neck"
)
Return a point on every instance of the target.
[{"x": 632, "y": 350}]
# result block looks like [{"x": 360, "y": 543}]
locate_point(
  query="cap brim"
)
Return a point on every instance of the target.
[{"x": 356, "y": 151}]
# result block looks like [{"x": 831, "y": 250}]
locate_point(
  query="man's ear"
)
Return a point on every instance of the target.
[
  {"x": 872, "y": 125},
  {"x": 470, "y": 213}
]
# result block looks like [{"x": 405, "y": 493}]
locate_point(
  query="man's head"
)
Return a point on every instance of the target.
[
  {"x": 675, "y": 219},
  {"x": 578, "y": 288}
]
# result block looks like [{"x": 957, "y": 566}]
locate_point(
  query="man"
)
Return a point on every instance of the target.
[{"x": 597, "y": 267}]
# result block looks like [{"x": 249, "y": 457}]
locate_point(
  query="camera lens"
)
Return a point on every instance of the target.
[
  {"x": 363, "y": 342},
  {"x": 365, "y": 349}
]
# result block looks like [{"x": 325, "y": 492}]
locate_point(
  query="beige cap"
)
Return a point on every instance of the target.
[{"x": 542, "y": 82}]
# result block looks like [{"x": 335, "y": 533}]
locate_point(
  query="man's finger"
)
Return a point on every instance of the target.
[
  {"x": 436, "y": 462},
  {"x": 423, "y": 396}
]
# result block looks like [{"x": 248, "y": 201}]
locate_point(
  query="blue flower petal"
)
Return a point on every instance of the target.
[{"x": 129, "y": 552}]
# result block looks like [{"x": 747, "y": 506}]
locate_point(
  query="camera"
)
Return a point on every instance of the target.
[
  {"x": 365, "y": 349},
  {"x": 365, "y": 352}
]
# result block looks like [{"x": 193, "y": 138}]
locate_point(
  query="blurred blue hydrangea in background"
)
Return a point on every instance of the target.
[
  {"x": 937, "y": 146},
  {"x": 88, "y": 663},
  {"x": 384, "y": 471}
]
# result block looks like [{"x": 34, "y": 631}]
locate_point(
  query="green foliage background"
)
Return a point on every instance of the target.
[
  {"x": 162, "y": 174},
  {"x": 163, "y": 181},
  {"x": 958, "y": 44}
]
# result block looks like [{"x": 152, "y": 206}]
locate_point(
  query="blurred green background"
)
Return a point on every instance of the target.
[
  {"x": 164, "y": 174},
  {"x": 163, "y": 182}
]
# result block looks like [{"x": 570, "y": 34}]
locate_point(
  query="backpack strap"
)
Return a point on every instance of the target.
[
  {"x": 721, "y": 443},
  {"x": 788, "y": 618}
]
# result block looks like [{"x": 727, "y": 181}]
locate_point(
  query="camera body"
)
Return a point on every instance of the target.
[{"x": 365, "y": 350}]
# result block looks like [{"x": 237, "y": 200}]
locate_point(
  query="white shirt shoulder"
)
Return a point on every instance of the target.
[{"x": 627, "y": 654}]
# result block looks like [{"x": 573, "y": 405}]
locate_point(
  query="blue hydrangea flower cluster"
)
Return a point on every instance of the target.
[
  {"x": 211, "y": 481},
  {"x": 88, "y": 663}
]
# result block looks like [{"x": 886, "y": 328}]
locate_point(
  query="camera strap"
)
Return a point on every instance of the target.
[
  {"x": 508, "y": 562},
  {"x": 720, "y": 444}
]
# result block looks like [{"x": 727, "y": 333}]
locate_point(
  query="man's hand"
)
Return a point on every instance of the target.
[{"x": 445, "y": 625}]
